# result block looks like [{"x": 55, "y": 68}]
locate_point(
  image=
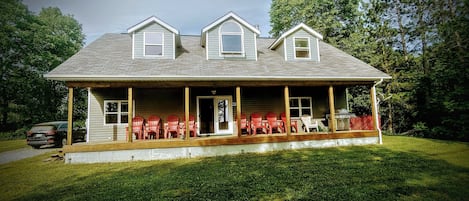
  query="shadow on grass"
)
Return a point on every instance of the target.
[{"x": 351, "y": 173}]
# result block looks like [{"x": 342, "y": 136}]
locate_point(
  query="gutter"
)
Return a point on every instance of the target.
[
  {"x": 69, "y": 77},
  {"x": 380, "y": 134}
]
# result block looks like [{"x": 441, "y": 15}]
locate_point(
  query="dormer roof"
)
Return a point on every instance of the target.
[
  {"x": 222, "y": 19},
  {"x": 292, "y": 30},
  {"x": 151, "y": 20}
]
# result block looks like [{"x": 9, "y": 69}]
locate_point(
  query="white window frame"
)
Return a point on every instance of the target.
[
  {"x": 153, "y": 44},
  {"x": 295, "y": 48},
  {"x": 119, "y": 112},
  {"x": 301, "y": 107},
  {"x": 241, "y": 34}
]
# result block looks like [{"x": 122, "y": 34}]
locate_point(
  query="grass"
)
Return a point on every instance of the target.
[
  {"x": 403, "y": 168},
  {"x": 9, "y": 145}
]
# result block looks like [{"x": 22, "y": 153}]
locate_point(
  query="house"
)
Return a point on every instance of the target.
[{"x": 219, "y": 77}]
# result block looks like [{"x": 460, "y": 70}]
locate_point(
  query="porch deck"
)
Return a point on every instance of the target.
[{"x": 211, "y": 146}]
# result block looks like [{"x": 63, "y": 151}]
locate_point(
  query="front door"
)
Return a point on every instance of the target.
[{"x": 215, "y": 115}]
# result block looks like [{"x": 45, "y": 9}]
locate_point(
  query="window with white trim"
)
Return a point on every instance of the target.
[
  {"x": 300, "y": 106},
  {"x": 153, "y": 44},
  {"x": 231, "y": 38},
  {"x": 116, "y": 112},
  {"x": 302, "y": 48}
]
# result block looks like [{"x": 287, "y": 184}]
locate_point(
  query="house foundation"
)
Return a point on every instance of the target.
[{"x": 207, "y": 151}]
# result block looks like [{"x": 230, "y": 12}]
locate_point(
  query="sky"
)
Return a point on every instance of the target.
[{"x": 98, "y": 17}]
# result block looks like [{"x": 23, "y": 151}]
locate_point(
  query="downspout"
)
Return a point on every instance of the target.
[{"x": 380, "y": 135}]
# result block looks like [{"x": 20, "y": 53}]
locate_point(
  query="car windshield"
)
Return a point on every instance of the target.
[{"x": 39, "y": 129}]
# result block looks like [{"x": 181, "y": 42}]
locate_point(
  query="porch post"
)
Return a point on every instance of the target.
[
  {"x": 186, "y": 112},
  {"x": 238, "y": 109},
  {"x": 130, "y": 114},
  {"x": 287, "y": 110},
  {"x": 332, "y": 125},
  {"x": 70, "y": 116}
]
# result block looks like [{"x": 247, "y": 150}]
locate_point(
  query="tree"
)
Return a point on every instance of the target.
[
  {"x": 423, "y": 45},
  {"x": 446, "y": 78},
  {"x": 334, "y": 19},
  {"x": 31, "y": 46}
]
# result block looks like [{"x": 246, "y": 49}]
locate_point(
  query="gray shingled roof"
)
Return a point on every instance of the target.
[{"x": 109, "y": 58}]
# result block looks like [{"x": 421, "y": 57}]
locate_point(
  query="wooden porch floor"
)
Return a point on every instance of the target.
[{"x": 215, "y": 141}]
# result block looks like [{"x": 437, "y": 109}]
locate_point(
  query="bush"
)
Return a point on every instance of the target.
[{"x": 14, "y": 135}]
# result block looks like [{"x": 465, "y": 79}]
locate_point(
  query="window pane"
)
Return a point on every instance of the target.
[
  {"x": 222, "y": 110},
  {"x": 153, "y": 50},
  {"x": 231, "y": 27},
  {"x": 111, "y": 107},
  {"x": 294, "y": 103},
  {"x": 124, "y": 118},
  {"x": 124, "y": 107},
  {"x": 231, "y": 43},
  {"x": 305, "y": 102},
  {"x": 111, "y": 118},
  {"x": 302, "y": 54},
  {"x": 306, "y": 111},
  {"x": 294, "y": 113},
  {"x": 301, "y": 42},
  {"x": 154, "y": 38}
]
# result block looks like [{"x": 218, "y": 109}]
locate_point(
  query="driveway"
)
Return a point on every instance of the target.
[{"x": 9, "y": 156}]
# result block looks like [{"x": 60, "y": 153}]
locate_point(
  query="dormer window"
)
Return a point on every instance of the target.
[
  {"x": 231, "y": 39},
  {"x": 153, "y": 44},
  {"x": 302, "y": 48}
]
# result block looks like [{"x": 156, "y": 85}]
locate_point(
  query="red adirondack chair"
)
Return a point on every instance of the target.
[
  {"x": 244, "y": 124},
  {"x": 293, "y": 123},
  {"x": 138, "y": 127},
  {"x": 192, "y": 126},
  {"x": 172, "y": 126},
  {"x": 256, "y": 123},
  {"x": 154, "y": 126},
  {"x": 272, "y": 123}
]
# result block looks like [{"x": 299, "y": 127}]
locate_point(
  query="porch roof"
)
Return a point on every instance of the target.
[{"x": 109, "y": 58}]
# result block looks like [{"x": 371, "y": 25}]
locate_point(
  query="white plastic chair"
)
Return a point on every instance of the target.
[{"x": 309, "y": 124}]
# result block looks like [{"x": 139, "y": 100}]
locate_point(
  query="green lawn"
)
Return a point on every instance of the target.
[
  {"x": 403, "y": 168},
  {"x": 8, "y": 145}
]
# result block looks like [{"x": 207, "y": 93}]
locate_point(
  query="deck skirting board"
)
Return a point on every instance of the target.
[{"x": 207, "y": 151}]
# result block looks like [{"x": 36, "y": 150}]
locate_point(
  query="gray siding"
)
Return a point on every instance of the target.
[
  {"x": 281, "y": 49},
  {"x": 166, "y": 101},
  {"x": 159, "y": 102},
  {"x": 290, "y": 46},
  {"x": 213, "y": 44},
  {"x": 98, "y": 131},
  {"x": 168, "y": 42}
]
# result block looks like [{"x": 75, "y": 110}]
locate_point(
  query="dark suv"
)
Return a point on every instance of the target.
[{"x": 52, "y": 133}]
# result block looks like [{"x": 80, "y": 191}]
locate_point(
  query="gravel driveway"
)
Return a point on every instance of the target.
[{"x": 9, "y": 156}]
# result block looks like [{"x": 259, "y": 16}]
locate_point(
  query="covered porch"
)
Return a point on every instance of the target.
[{"x": 226, "y": 134}]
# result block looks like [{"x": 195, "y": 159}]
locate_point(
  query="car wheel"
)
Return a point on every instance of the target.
[{"x": 36, "y": 147}]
